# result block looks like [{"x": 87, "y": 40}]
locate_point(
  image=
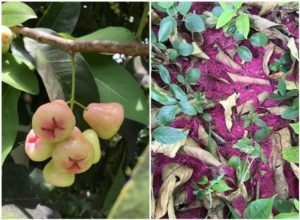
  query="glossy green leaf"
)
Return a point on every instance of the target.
[
  {"x": 221, "y": 186},
  {"x": 194, "y": 23},
  {"x": 193, "y": 75},
  {"x": 262, "y": 133},
  {"x": 178, "y": 92},
  {"x": 187, "y": 108},
  {"x": 226, "y": 5},
  {"x": 259, "y": 39},
  {"x": 203, "y": 180},
  {"x": 180, "y": 78},
  {"x": 237, "y": 5},
  {"x": 165, "y": 5},
  {"x": 168, "y": 135},
  {"x": 164, "y": 74},
  {"x": 287, "y": 95},
  {"x": 281, "y": 86},
  {"x": 225, "y": 17},
  {"x": 61, "y": 16},
  {"x": 286, "y": 59},
  {"x": 217, "y": 11},
  {"x": 260, "y": 122},
  {"x": 242, "y": 171},
  {"x": 245, "y": 145},
  {"x": 14, "y": 13},
  {"x": 120, "y": 34},
  {"x": 291, "y": 154},
  {"x": 290, "y": 113},
  {"x": 166, "y": 115},
  {"x": 284, "y": 205},
  {"x": 172, "y": 54},
  {"x": 243, "y": 24},
  {"x": 10, "y": 118},
  {"x": 184, "y": 7},
  {"x": 244, "y": 53},
  {"x": 207, "y": 117},
  {"x": 291, "y": 215},
  {"x": 234, "y": 161},
  {"x": 184, "y": 49},
  {"x": 116, "y": 84},
  {"x": 259, "y": 209},
  {"x": 295, "y": 127},
  {"x": 166, "y": 28},
  {"x": 238, "y": 36},
  {"x": 162, "y": 97},
  {"x": 18, "y": 75}
]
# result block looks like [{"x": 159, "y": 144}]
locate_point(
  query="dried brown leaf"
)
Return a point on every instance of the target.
[
  {"x": 215, "y": 207},
  {"x": 247, "y": 79},
  {"x": 171, "y": 208},
  {"x": 277, "y": 50},
  {"x": 232, "y": 52},
  {"x": 192, "y": 149},
  {"x": 203, "y": 138},
  {"x": 274, "y": 34},
  {"x": 198, "y": 52},
  {"x": 290, "y": 85},
  {"x": 223, "y": 58},
  {"x": 295, "y": 169},
  {"x": 277, "y": 110},
  {"x": 245, "y": 107},
  {"x": 267, "y": 7},
  {"x": 277, "y": 76},
  {"x": 260, "y": 23},
  {"x": 227, "y": 105},
  {"x": 198, "y": 38},
  {"x": 266, "y": 60}
]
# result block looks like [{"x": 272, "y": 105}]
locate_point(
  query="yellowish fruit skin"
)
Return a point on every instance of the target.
[
  {"x": 7, "y": 37},
  {"x": 105, "y": 118},
  {"x": 54, "y": 121},
  {"x": 57, "y": 177},
  {"x": 36, "y": 148},
  {"x": 92, "y": 137},
  {"x": 74, "y": 154}
]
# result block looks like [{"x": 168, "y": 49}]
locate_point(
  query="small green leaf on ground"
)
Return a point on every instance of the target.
[
  {"x": 259, "y": 39},
  {"x": 194, "y": 23},
  {"x": 291, "y": 154},
  {"x": 244, "y": 53},
  {"x": 259, "y": 209},
  {"x": 262, "y": 133},
  {"x": 168, "y": 135}
]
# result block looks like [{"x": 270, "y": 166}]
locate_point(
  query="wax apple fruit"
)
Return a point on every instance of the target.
[
  {"x": 57, "y": 177},
  {"x": 7, "y": 37},
  {"x": 36, "y": 148},
  {"x": 53, "y": 121},
  {"x": 105, "y": 118},
  {"x": 92, "y": 137},
  {"x": 74, "y": 154}
]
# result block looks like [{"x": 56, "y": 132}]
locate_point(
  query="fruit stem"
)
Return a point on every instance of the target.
[
  {"x": 72, "y": 100},
  {"x": 80, "y": 105},
  {"x": 142, "y": 22}
]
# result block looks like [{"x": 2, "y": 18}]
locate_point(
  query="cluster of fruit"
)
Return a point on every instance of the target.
[
  {"x": 54, "y": 135},
  {"x": 7, "y": 37}
]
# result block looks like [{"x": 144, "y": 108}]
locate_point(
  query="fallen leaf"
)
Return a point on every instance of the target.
[
  {"x": 203, "y": 138},
  {"x": 290, "y": 85},
  {"x": 267, "y": 7},
  {"x": 192, "y": 149},
  {"x": 295, "y": 169},
  {"x": 258, "y": 22},
  {"x": 214, "y": 207},
  {"x": 266, "y": 60},
  {"x": 293, "y": 48},
  {"x": 280, "y": 140},
  {"x": 198, "y": 52},
  {"x": 277, "y": 50},
  {"x": 274, "y": 34},
  {"x": 277, "y": 110},
  {"x": 247, "y": 79},
  {"x": 169, "y": 150},
  {"x": 223, "y": 58},
  {"x": 232, "y": 52},
  {"x": 173, "y": 175},
  {"x": 171, "y": 208},
  {"x": 276, "y": 76},
  {"x": 198, "y": 38},
  {"x": 245, "y": 107},
  {"x": 227, "y": 105}
]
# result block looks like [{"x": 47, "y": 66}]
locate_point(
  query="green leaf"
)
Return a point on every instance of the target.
[
  {"x": 281, "y": 86},
  {"x": 217, "y": 11},
  {"x": 116, "y": 84},
  {"x": 221, "y": 186},
  {"x": 153, "y": 37},
  {"x": 226, "y": 5},
  {"x": 14, "y": 13},
  {"x": 178, "y": 92},
  {"x": 286, "y": 59},
  {"x": 207, "y": 117},
  {"x": 237, "y": 5},
  {"x": 287, "y": 95},
  {"x": 130, "y": 203},
  {"x": 168, "y": 135},
  {"x": 259, "y": 209},
  {"x": 225, "y": 17},
  {"x": 166, "y": 27},
  {"x": 166, "y": 115},
  {"x": 291, "y": 215},
  {"x": 164, "y": 74},
  {"x": 295, "y": 127},
  {"x": 193, "y": 75},
  {"x": 172, "y": 54},
  {"x": 291, "y": 154},
  {"x": 194, "y": 23},
  {"x": 187, "y": 108},
  {"x": 55, "y": 68},
  {"x": 120, "y": 34},
  {"x": 238, "y": 36},
  {"x": 296, "y": 203},
  {"x": 245, "y": 145},
  {"x": 165, "y": 5},
  {"x": 284, "y": 205},
  {"x": 18, "y": 75},
  {"x": 203, "y": 180},
  {"x": 234, "y": 162},
  {"x": 183, "y": 49},
  {"x": 244, "y": 53},
  {"x": 242, "y": 171},
  {"x": 10, "y": 118},
  {"x": 180, "y": 78},
  {"x": 259, "y": 39},
  {"x": 61, "y": 16},
  {"x": 172, "y": 11},
  {"x": 243, "y": 24},
  {"x": 290, "y": 113},
  {"x": 234, "y": 213},
  {"x": 184, "y": 7},
  {"x": 260, "y": 122},
  {"x": 161, "y": 97},
  {"x": 262, "y": 133}
]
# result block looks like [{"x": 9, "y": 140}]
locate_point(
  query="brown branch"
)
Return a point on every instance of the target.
[{"x": 73, "y": 46}]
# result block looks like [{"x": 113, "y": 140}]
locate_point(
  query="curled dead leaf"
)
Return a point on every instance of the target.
[
  {"x": 223, "y": 58},
  {"x": 192, "y": 149},
  {"x": 227, "y": 105},
  {"x": 266, "y": 60},
  {"x": 204, "y": 137},
  {"x": 277, "y": 50},
  {"x": 214, "y": 207},
  {"x": 280, "y": 140},
  {"x": 173, "y": 175},
  {"x": 274, "y": 34},
  {"x": 245, "y": 107},
  {"x": 267, "y": 7},
  {"x": 171, "y": 208},
  {"x": 198, "y": 52},
  {"x": 247, "y": 79},
  {"x": 277, "y": 110}
]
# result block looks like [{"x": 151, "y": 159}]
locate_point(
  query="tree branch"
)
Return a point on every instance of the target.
[{"x": 73, "y": 46}]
